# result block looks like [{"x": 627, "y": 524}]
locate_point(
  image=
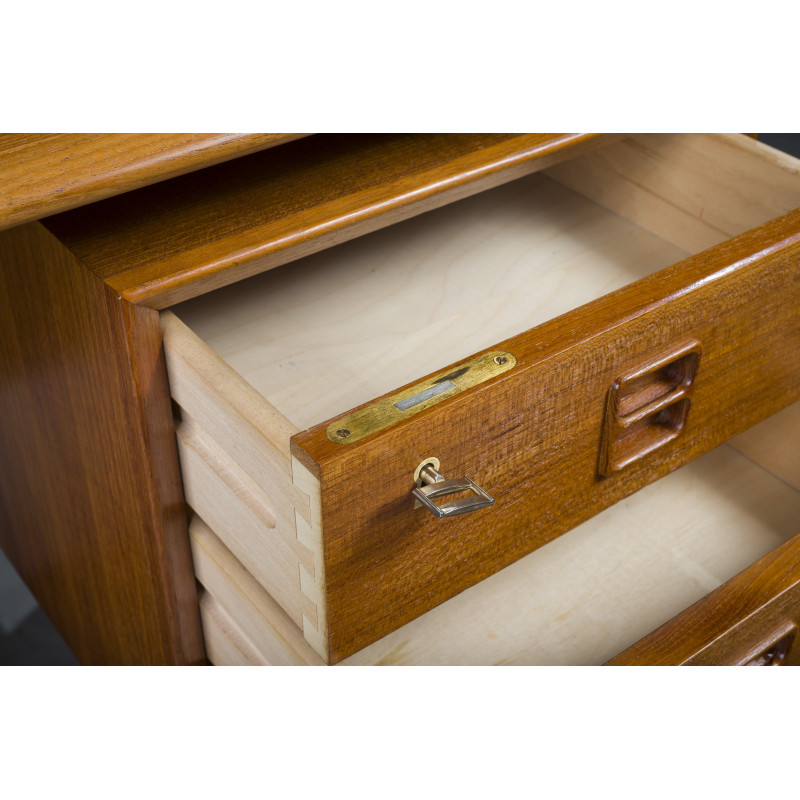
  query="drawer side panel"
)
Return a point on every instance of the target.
[
  {"x": 694, "y": 191},
  {"x": 272, "y": 633}
]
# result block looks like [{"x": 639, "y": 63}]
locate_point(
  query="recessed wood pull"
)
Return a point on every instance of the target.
[
  {"x": 648, "y": 406},
  {"x": 775, "y": 653}
]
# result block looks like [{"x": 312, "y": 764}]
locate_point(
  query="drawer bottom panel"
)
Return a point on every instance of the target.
[{"x": 581, "y": 599}]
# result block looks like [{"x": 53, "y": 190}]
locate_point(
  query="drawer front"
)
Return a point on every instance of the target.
[
  {"x": 533, "y": 436},
  {"x": 750, "y": 620}
]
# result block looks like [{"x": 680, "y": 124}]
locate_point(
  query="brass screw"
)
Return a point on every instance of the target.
[
  {"x": 343, "y": 433},
  {"x": 500, "y": 360}
]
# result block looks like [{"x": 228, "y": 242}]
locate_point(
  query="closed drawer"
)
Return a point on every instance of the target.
[{"x": 304, "y": 410}]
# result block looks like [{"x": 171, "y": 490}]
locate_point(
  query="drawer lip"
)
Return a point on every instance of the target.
[{"x": 389, "y": 573}]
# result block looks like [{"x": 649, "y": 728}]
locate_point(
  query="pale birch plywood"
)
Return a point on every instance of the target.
[
  {"x": 775, "y": 444},
  {"x": 240, "y": 420},
  {"x": 236, "y": 508},
  {"x": 587, "y": 595},
  {"x": 238, "y": 475},
  {"x": 276, "y": 639},
  {"x": 692, "y": 190},
  {"x": 312, "y": 580},
  {"x": 226, "y": 645},
  {"x": 324, "y": 334}
]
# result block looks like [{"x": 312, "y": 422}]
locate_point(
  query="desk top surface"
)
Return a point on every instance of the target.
[{"x": 45, "y": 173}]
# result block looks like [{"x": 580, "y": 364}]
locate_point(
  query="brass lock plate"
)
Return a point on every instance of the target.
[{"x": 387, "y": 412}]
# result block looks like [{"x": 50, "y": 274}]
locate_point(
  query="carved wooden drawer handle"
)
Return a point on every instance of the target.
[
  {"x": 775, "y": 653},
  {"x": 647, "y": 406}
]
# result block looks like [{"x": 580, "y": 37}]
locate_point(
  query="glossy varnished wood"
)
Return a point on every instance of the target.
[
  {"x": 94, "y": 388},
  {"x": 531, "y": 438},
  {"x": 735, "y": 623},
  {"x": 91, "y": 504},
  {"x": 174, "y": 241},
  {"x": 45, "y": 173}
]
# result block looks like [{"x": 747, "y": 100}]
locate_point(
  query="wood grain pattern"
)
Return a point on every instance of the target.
[
  {"x": 237, "y": 475},
  {"x": 312, "y": 580},
  {"x": 274, "y": 636},
  {"x": 319, "y": 337},
  {"x": 531, "y": 437},
  {"x": 225, "y": 641},
  {"x": 611, "y": 579},
  {"x": 694, "y": 190},
  {"x": 779, "y": 650},
  {"x": 239, "y": 419},
  {"x": 732, "y": 624},
  {"x": 127, "y": 492},
  {"x": 91, "y": 502},
  {"x": 586, "y": 595},
  {"x": 647, "y": 407},
  {"x": 237, "y": 509},
  {"x": 176, "y": 240},
  {"x": 46, "y": 173}
]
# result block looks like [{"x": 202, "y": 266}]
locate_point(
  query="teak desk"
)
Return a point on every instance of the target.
[{"x": 218, "y": 395}]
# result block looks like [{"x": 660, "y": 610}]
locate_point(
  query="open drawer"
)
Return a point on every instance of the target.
[
  {"x": 684, "y": 542},
  {"x": 305, "y": 415}
]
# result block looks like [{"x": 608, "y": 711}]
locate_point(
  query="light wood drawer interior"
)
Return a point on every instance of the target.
[
  {"x": 254, "y": 363},
  {"x": 334, "y": 330},
  {"x": 581, "y": 599}
]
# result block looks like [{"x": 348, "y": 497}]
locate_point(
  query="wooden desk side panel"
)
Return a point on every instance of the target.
[{"x": 91, "y": 504}]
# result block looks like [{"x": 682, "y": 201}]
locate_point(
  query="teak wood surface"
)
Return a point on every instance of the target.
[
  {"x": 319, "y": 337},
  {"x": 532, "y": 436},
  {"x": 92, "y": 509},
  {"x": 91, "y": 504},
  {"x": 176, "y": 240},
  {"x": 45, "y": 173},
  {"x": 580, "y": 600}
]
